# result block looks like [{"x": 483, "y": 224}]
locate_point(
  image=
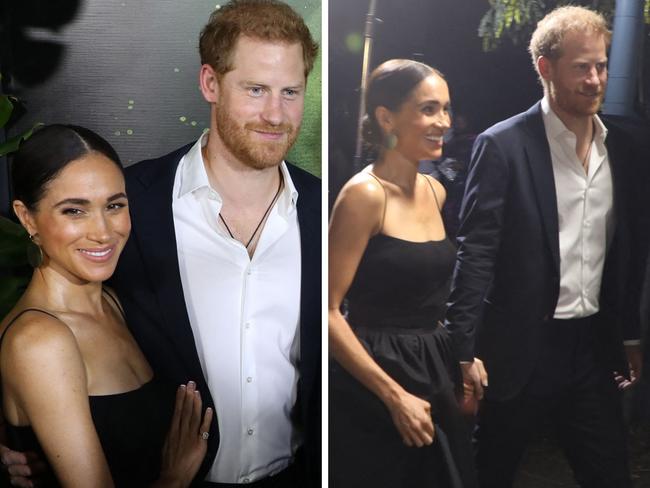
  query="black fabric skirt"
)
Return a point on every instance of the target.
[{"x": 366, "y": 449}]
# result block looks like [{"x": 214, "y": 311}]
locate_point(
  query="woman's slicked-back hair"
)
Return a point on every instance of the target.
[
  {"x": 390, "y": 85},
  {"x": 50, "y": 149}
]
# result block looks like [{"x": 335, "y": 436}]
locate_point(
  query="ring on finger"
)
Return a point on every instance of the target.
[{"x": 205, "y": 435}]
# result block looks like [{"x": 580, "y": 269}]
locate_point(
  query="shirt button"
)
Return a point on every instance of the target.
[
  {"x": 247, "y": 325},
  {"x": 250, "y": 431},
  {"x": 249, "y": 379},
  {"x": 249, "y": 271}
]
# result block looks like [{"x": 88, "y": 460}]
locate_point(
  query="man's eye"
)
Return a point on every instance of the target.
[{"x": 256, "y": 91}]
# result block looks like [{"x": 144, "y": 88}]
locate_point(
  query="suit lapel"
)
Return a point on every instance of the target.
[
  {"x": 309, "y": 224},
  {"x": 614, "y": 152},
  {"x": 310, "y": 258},
  {"x": 153, "y": 229},
  {"x": 539, "y": 160}
]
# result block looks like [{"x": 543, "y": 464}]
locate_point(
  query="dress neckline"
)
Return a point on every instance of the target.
[
  {"x": 144, "y": 385},
  {"x": 430, "y": 241}
]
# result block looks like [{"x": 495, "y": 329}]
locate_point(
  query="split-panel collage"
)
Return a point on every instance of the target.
[{"x": 305, "y": 243}]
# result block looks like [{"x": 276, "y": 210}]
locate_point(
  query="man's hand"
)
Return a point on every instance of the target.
[
  {"x": 635, "y": 364},
  {"x": 23, "y": 467},
  {"x": 475, "y": 378}
]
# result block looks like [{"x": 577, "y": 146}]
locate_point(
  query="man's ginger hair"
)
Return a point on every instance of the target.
[
  {"x": 550, "y": 32},
  {"x": 266, "y": 20}
]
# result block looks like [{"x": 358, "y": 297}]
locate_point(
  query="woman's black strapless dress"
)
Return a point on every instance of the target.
[
  {"x": 131, "y": 427},
  {"x": 395, "y": 306}
]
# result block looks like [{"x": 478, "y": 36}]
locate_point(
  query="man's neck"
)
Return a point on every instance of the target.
[
  {"x": 237, "y": 183},
  {"x": 582, "y": 126}
]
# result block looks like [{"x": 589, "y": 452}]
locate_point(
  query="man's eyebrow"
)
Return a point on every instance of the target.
[{"x": 293, "y": 86}]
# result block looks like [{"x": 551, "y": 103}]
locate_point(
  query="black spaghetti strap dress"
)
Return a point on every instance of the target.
[
  {"x": 131, "y": 426},
  {"x": 395, "y": 306}
]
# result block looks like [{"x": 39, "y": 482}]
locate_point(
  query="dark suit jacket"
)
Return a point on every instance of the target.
[
  {"x": 507, "y": 276},
  {"x": 148, "y": 283}
]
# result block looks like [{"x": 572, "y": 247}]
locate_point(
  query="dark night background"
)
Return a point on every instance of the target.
[{"x": 485, "y": 88}]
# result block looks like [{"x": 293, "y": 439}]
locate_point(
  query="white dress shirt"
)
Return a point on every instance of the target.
[
  {"x": 585, "y": 215},
  {"x": 244, "y": 314}
]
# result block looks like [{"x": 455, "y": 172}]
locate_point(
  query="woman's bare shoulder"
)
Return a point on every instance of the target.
[
  {"x": 362, "y": 190},
  {"x": 35, "y": 333},
  {"x": 438, "y": 188}
]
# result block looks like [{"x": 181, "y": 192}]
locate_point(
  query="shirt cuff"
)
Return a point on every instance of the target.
[{"x": 632, "y": 342}]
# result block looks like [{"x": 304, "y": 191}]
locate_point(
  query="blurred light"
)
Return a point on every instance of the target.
[{"x": 354, "y": 42}]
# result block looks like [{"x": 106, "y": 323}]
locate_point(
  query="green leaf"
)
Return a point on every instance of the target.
[
  {"x": 6, "y": 107},
  {"x": 13, "y": 144},
  {"x": 13, "y": 244},
  {"x": 11, "y": 288},
  {"x": 11, "y": 228}
]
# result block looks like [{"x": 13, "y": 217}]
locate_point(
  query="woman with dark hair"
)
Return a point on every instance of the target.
[
  {"x": 394, "y": 416},
  {"x": 76, "y": 388}
]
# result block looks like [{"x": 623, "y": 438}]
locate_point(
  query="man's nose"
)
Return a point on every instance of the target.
[{"x": 273, "y": 112}]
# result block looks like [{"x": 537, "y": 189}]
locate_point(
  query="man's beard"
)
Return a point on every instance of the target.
[
  {"x": 257, "y": 155},
  {"x": 571, "y": 102}
]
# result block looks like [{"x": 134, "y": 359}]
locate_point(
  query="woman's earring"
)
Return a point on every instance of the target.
[
  {"x": 390, "y": 141},
  {"x": 34, "y": 253}
]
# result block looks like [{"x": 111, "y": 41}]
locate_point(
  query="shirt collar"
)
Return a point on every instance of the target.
[
  {"x": 194, "y": 177},
  {"x": 193, "y": 174},
  {"x": 556, "y": 128}
]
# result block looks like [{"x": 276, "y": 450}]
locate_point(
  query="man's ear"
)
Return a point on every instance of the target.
[
  {"x": 545, "y": 68},
  {"x": 25, "y": 216},
  {"x": 209, "y": 83}
]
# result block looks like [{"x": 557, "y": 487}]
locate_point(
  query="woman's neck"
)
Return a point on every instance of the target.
[
  {"x": 392, "y": 166},
  {"x": 60, "y": 293}
]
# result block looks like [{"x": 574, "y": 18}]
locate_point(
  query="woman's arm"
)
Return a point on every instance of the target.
[
  {"x": 356, "y": 216},
  {"x": 44, "y": 379}
]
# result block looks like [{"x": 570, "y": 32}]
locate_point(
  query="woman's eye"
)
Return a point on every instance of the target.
[
  {"x": 116, "y": 206},
  {"x": 72, "y": 211}
]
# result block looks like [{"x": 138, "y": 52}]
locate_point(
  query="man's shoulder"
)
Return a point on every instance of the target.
[
  {"x": 152, "y": 168},
  {"x": 515, "y": 123},
  {"x": 303, "y": 178}
]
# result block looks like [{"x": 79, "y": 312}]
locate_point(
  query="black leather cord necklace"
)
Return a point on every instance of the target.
[{"x": 268, "y": 209}]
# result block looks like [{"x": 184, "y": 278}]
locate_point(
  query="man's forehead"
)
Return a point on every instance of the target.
[
  {"x": 582, "y": 40},
  {"x": 255, "y": 58},
  {"x": 246, "y": 43}
]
